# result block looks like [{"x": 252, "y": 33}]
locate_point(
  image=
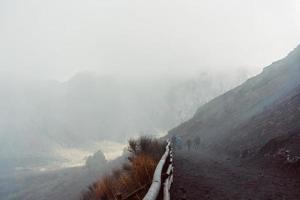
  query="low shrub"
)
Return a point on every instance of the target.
[{"x": 134, "y": 176}]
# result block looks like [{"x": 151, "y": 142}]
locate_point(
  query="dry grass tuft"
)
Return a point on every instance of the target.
[{"x": 137, "y": 173}]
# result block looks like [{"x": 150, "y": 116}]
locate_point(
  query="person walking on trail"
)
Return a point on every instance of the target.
[
  {"x": 189, "y": 143},
  {"x": 176, "y": 142},
  {"x": 197, "y": 142},
  {"x": 173, "y": 141},
  {"x": 179, "y": 142}
]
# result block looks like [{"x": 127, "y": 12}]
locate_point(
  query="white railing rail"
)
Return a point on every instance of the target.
[
  {"x": 169, "y": 179},
  {"x": 157, "y": 185}
]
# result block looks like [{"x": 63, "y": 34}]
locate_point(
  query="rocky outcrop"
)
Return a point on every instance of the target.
[
  {"x": 281, "y": 152},
  {"x": 96, "y": 161}
]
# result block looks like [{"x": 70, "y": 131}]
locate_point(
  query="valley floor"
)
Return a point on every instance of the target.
[{"x": 198, "y": 176}]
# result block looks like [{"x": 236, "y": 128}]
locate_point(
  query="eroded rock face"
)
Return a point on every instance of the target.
[
  {"x": 282, "y": 152},
  {"x": 288, "y": 144}
]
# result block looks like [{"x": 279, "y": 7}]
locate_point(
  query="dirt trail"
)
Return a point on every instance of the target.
[{"x": 198, "y": 177}]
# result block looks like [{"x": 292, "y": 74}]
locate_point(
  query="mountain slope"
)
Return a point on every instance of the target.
[{"x": 232, "y": 119}]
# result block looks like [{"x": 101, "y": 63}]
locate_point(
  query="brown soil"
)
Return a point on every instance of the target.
[{"x": 198, "y": 176}]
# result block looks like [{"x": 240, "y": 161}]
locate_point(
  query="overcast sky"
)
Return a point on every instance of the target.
[{"x": 57, "y": 38}]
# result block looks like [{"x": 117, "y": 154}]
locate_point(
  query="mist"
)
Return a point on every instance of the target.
[
  {"x": 57, "y": 39},
  {"x": 79, "y": 77}
]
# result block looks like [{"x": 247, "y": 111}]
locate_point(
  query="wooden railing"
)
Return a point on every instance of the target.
[{"x": 163, "y": 177}]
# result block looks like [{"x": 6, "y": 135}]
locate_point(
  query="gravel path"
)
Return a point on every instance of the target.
[{"x": 200, "y": 177}]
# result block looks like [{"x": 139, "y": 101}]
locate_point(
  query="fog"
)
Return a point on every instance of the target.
[
  {"x": 78, "y": 76},
  {"x": 77, "y": 71},
  {"x": 56, "y": 39}
]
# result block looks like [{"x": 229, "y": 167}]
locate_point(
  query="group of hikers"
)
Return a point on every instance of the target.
[{"x": 179, "y": 144}]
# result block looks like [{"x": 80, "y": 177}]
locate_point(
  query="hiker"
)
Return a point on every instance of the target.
[
  {"x": 197, "y": 142},
  {"x": 173, "y": 141},
  {"x": 176, "y": 142},
  {"x": 189, "y": 143},
  {"x": 179, "y": 142}
]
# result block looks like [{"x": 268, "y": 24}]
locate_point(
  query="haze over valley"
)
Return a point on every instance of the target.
[{"x": 84, "y": 83}]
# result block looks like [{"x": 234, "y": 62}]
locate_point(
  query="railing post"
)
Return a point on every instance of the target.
[
  {"x": 162, "y": 181},
  {"x": 119, "y": 196}
]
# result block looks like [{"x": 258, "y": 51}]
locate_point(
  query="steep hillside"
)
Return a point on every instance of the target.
[
  {"x": 252, "y": 113},
  {"x": 278, "y": 120},
  {"x": 282, "y": 151}
]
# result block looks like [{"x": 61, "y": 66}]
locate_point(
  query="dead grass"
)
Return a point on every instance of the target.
[{"x": 145, "y": 153}]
